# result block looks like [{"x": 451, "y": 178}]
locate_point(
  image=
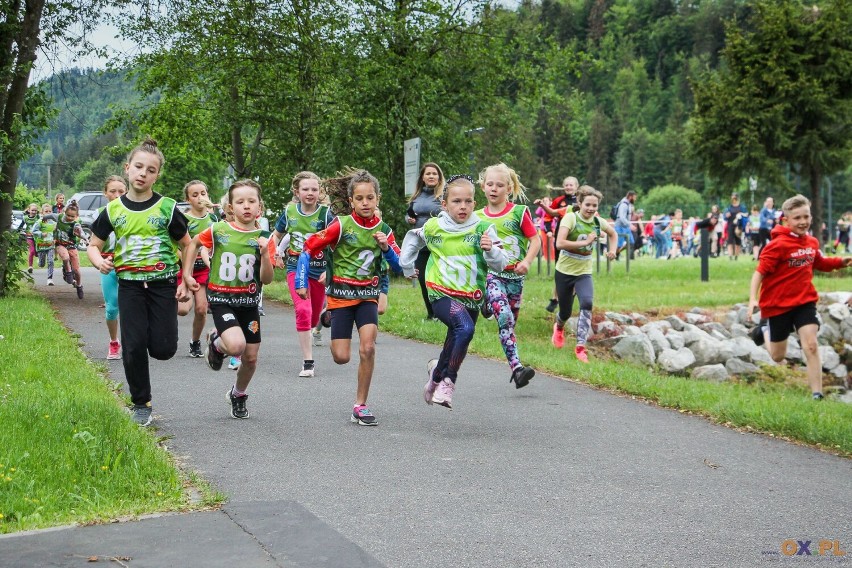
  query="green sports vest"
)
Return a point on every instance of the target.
[
  {"x": 144, "y": 250},
  {"x": 357, "y": 261},
  {"x": 509, "y": 232},
  {"x": 109, "y": 245},
  {"x": 300, "y": 227},
  {"x": 456, "y": 267},
  {"x": 235, "y": 266},
  {"x": 27, "y": 224},
  {"x": 194, "y": 226},
  {"x": 65, "y": 231},
  {"x": 46, "y": 238},
  {"x": 578, "y": 262}
]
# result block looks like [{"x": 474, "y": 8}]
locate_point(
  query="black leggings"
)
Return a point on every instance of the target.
[
  {"x": 148, "y": 327},
  {"x": 568, "y": 286},
  {"x": 420, "y": 265}
]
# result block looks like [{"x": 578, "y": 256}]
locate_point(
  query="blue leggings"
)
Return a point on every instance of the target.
[
  {"x": 109, "y": 287},
  {"x": 461, "y": 323}
]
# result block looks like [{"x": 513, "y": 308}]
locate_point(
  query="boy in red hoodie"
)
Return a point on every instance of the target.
[{"x": 787, "y": 294}]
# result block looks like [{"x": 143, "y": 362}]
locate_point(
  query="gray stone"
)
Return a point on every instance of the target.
[
  {"x": 711, "y": 352},
  {"x": 631, "y": 330},
  {"x": 716, "y": 373},
  {"x": 838, "y": 312},
  {"x": 696, "y": 310},
  {"x": 676, "y": 322},
  {"x": 846, "y": 329},
  {"x": 847, "y": 398},
  {"x": 838, "y": 297},
  {"x": 829, "y": 357},
  {"x": 794, "y": 341},
  {"x": 737, "y": 366},
  {"x": 696, "y": 318},
  {"x": 761, "y": 357},
  {"x": 608, "y": 342},
  {"x": 658, "y": 340},
  {"x": 675, "y": 361},
  {"x": 840, "y": 371},
  {"x": 662, "y": 325},
  {"x": 794, "y": 353},
  {"x": 675, "y": 339},
  {"x": 829, "y": 332},
  {"x": 637, "y": 349},
  {"x": 620, "y": 318},
  {"x": 712, "y": 326},
  {"x": 847, "y": 354},
  {"x": 741, "y": 346},
  {"x": 732, "y": 317},
  {"x": 571, "y": 324},
  {"x": 608, "y": 328},
  {"x": 718, "y": 336},
  {"x": 639, "y": 319},
  {"x": 739, "y": 330},
  {"x": 691, "y": 334}
]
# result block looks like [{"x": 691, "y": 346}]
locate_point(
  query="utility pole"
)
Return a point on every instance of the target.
[{"x": 49, "y": 165}]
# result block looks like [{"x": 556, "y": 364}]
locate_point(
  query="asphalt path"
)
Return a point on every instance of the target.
[{"x": 555, "y": 474}]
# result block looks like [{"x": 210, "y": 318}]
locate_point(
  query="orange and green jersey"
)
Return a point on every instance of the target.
[{"x": 234, "y": 264}]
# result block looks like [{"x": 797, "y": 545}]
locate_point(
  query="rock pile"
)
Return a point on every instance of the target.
[{"x": 698, "y": 345}]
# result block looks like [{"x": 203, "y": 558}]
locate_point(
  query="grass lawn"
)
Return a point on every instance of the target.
[
  {"x": 68, "y": 452},
  {"x": 779, "y": 404}
]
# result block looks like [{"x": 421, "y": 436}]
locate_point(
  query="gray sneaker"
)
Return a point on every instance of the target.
[
  {"x": 317, "y": 336},
  {"x": 142, "y": 414}
]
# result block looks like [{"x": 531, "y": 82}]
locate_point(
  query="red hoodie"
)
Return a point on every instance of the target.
[{"x": 787, "y": 264}]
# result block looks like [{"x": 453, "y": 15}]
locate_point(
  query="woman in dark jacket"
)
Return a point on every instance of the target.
[{"x": 424, "y": 204}]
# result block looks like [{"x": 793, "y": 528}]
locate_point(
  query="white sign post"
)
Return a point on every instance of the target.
[{"x": 411, "y": 149}]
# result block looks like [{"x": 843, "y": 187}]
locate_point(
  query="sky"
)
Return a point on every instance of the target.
[{"x": 105, "y": 35}]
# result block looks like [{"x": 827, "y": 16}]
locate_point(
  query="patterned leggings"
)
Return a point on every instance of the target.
[
  {"x": 503, "y": 299},
  {"x": 461, "y": 323}
]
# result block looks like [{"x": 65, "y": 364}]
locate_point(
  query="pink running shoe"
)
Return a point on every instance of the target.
[
  {"x": 580, "y": 352},
  {"x": 558, "y": 338},
  {"x": 114, "y": 350},
  {"x": 444, "y": 393},
  {"x": 429, "y": 389}
]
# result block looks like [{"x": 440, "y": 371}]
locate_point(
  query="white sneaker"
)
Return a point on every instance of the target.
[
  {"x": 50, "y": 281},
  {"x": 307, "y": 369},
  {"x": 317, "y": 335},
  {"x": 234, "y": 363},
  {"x": 444, "y": 393}
]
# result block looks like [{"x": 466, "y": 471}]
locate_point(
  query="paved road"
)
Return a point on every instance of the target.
[{"x": 556, "y": 474}]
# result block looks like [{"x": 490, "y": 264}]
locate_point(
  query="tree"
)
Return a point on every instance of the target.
[{"x": 784, "y": 96}]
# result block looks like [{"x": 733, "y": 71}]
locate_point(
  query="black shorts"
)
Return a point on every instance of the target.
[
  {"x": 360, "y": 314},
  {"x": 246, "y": 318},
  {"x": 782, "y": 325}
]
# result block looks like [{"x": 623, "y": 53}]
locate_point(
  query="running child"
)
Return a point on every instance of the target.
[
  {"x": 241, "y": 262},
  {"x": 198, "y": 218},
  {"x": 68, "y": 232},
  {"x": 114, "y": 187},
  {"x": 28, "y": 221},
  {"x": 44, "y": 234},
  {"x": 359, "y": 240},
  {"x": 463, "y": 249},
  {"x": 301, "y": 218},
  {"x": 576, "y": 240},
  {"x": 148, "y": 230},
  {"x": 783, "y": 282},
  {"x": 521, "y": 242}
]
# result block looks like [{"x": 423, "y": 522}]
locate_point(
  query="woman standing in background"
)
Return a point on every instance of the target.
[{"x": 424, "y": 204}]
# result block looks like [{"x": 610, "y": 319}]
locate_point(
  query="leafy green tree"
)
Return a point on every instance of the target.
[
  {"x": 667, "y": 198},
  {"x": 784, "y": 95}
]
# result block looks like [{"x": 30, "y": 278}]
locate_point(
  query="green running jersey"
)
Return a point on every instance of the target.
[
  {"x": 65, "y": 231},
  {"x": 357, "y": 261},
  {"x": 301, "y": 227},
  {"x": 578, "y": 262},
  {"x": 194, "y": 226},
  {"x": 515, "y": 244},
  {"x": 456, "y": 267},
  {"x": 144, "y": 250},
  {"x": 235, "y": 266},
  {"x": 45, "y": 235},
  {"x": 27, "y": 224},
  {"x": 109, "y": 244}
]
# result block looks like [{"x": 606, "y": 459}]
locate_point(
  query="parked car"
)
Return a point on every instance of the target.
[
  {"x": 89, "y": 202},
  {"x": 17, "y": 218}
]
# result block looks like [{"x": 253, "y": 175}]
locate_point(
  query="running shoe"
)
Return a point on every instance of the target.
[
  {"x": 141, "y": 414},
  {"x": 317, "y": 335},
  {"x": 114, "y": 350},
  {"x": 50, "y": 281},
  {"x": 260, "y": 311},
  {"x": 234, "y": 363},
  {"x": 362, "y": 416},
  {"x": 68, "y": 276},
  {"x": 214, "y": 356},
  {"x": 30, "y": 270},
  {"x": 558, "y": 337},
  {"x": 580, "y": 352},
  {"x": 195, "y": 349},
  {"x": 307, "y": 368},
  {"x": 757, "y": 334},
  {"x": 429, "y": 389},
  {"x": 325, "y": 318},
  {"x": 485, "y": 310},
  {"x": 444, "y": 393},
  {"x": 817, "y": 396},
  {"x": 238, "y": 404},
  {"x": 521, "y": 376},
  {"x": 551, "y": 307},
  {"x": 80, "y": 292}
]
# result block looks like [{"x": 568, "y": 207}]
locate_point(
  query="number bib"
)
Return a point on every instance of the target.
[
  {"x": 144, "y": 250},
  {"x": 515, "y": 244},
  {"x": 301, "y": 227},
  {"x": 234, "y": 266},
  {"x": 45, "y": 239},
  {"x": 65, "y": 232},
  {"x": 356, "y": 261},
  {"x": 456, "y": 267}
]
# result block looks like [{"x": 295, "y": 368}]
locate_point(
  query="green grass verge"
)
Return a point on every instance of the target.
[
  {"x": 778, "y": 406},
  {"x": 68, "y": 452}
]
